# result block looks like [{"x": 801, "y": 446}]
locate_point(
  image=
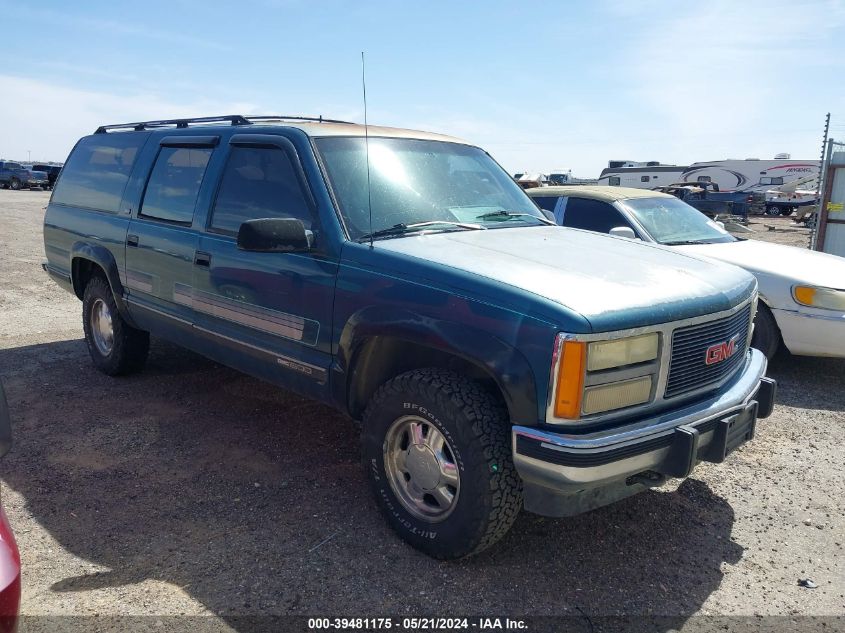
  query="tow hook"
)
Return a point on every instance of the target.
[{"x": 646, "y": 478}]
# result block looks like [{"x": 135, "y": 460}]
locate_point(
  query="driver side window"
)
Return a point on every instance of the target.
[
  {"x": 592, "y": 215},
  {"x": 258, "y": 183}
]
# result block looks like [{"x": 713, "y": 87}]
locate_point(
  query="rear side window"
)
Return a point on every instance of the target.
[
  {"x": 258, "y": 183},
  {"x": 592, "y": 215},
  {"x": 174, "y": 184},
  {"x": 97, "y": 171},
  {"x": 613, "y": 181},
  {"x": 644, "y": 178}
]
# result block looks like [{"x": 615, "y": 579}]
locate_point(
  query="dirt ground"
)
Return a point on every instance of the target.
[{"x": 193, "y": 489}]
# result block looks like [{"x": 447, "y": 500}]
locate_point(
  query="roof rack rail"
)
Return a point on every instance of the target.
[
  {"x": 234, "y": 119},
  {"x": 287, "y": 117}
]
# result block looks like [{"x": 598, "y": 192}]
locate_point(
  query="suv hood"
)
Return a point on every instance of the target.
[{"x": 614, "y": 283}]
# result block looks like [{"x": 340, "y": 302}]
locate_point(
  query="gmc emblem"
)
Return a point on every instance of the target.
[{"x": 720, "y": 351}]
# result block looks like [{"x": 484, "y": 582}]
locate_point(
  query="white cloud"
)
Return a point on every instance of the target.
[
  {"x": 103, "y": 25},
  {"x": 48, "y": 119}
]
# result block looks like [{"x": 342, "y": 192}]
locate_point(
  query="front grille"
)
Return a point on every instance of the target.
[{"x": 688, "y": 370}]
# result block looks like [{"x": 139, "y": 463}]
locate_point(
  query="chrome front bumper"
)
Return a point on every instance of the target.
[{"x": 566, "y": 473}]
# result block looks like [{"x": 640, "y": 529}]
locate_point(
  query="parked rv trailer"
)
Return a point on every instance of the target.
[
  {"x": 751, "y": 174},
  {"x": 640, "y": 175}
]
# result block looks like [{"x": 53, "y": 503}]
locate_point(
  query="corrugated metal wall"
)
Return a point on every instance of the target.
[{"x": 831, "y": 224}]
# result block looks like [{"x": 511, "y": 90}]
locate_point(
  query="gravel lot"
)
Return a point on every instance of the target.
[{"x": 193, "y": 489}]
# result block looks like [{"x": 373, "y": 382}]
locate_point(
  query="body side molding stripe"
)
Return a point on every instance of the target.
[
  {"x": 289, "y": 326},
  {"x": 320, "y": 374},
  {"x": 137, "y": 280}
]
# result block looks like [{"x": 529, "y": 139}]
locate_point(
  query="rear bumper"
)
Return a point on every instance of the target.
[{"x": 565, "y": 474}]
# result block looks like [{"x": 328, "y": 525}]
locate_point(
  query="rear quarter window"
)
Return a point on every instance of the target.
[{"x": 97, "y": 171}]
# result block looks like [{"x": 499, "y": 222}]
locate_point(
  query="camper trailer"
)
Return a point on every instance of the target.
[
  {"x": 752, "y": 174},
  {"x": 640, "y": 175}
]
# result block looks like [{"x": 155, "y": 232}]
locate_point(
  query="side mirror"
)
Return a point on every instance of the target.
[
  {"x": 721, "y": 224},
  {"x": 624, "y": 231},
  {"x": 274, "y": 235}
]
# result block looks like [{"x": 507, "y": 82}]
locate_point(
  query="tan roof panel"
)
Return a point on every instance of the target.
[
  {"x": 596, "y": 192},
  {"x": 318, "y": 130}
]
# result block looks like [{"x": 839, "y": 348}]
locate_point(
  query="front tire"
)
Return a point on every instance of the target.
[
  {"x": 766, "y": 335},
  {"x": 116, "y": 348},
  {"x": 14, "y": 184},
  {"x": 436, "y": 448}
]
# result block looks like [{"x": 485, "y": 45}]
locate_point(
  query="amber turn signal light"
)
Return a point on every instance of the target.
[{"x": 570, "y": 380}]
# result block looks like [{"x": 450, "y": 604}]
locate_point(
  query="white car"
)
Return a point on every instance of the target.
[{"x": 802, "y": 292}]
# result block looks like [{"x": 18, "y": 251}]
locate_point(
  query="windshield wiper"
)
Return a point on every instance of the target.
[
  {"x": 684, "y": 243},
  {"x": 505, "y": 215},
  {"x": 402, "y": 228}
]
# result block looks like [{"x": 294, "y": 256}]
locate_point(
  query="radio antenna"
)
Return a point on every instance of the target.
[{"x": 367, "y": 144}]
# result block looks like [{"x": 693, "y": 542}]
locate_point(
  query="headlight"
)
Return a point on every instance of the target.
[
  {"x": 826, "y": 298},
  {"x": 617, "y": 395},
  {"x": 588, "y": 377},
  {"x": 623, "y": 351}
]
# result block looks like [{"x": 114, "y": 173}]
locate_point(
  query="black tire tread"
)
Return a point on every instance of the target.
[
  {"x": 489, "y": 425},
  {"x": 767, "y": 336},
  {"x": 131, "y": 346}
]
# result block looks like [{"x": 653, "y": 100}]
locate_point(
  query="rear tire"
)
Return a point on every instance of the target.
[
  {"x": 766, "y": 337},
  {"x": 436, "y": 448},
  {"x": 116, "y": 348},
  {"x": 14, "y": 184}
]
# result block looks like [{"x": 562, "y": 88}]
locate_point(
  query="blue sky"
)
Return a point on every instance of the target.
[{"x": 557, "y": 85}]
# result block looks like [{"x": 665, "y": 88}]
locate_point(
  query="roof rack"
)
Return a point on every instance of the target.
[
  {"x": 233, "y": 119},
  {"x": 285, "y": 117}
]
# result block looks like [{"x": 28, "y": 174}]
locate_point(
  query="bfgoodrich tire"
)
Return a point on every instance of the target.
[
  {"x": 115, "y": 347},
  {"x": 436, "y": 448},
  {"x": 766, "y": 335}
]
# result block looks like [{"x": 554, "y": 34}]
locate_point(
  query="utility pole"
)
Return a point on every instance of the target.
[{"x": 29, "y": 156}]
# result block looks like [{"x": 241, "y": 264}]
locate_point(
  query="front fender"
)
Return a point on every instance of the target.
[{"x": 503, "y": 362}]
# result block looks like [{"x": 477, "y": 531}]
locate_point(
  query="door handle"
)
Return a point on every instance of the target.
[
  {"x": 202, "y": 258},
  {"x": 132, "y": 240}
]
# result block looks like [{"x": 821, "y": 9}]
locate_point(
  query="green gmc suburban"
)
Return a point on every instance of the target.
[{"x": 495, "y": 361}]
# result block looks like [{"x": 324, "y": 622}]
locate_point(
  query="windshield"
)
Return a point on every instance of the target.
[
  {"x": 672, "y": 221},
  {"x": 414, "y": 181}
]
